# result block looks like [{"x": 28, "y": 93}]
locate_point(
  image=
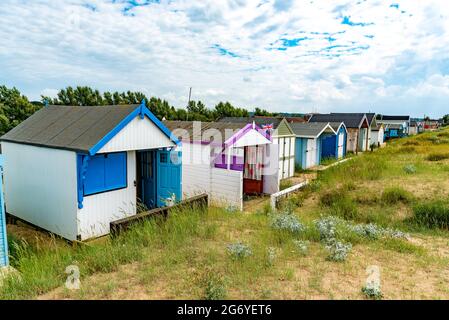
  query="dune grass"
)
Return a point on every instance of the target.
[{"x": 191, "y": 254}]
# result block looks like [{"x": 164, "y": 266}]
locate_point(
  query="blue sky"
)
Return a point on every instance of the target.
[{"x": 282, "y": 55}]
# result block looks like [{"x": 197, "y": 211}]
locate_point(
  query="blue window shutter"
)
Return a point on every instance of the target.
[
  {"x": 105, "y": 172},
  {"x": 115, "y": 173}
]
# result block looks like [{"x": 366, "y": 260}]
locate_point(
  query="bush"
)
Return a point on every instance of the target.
[
  {"x": 327, "y": 227},
  {"x": 338, "y": 251},
  {"x": 215, "y": 287},
  {"x": 396, "y": 194},
  {"x": 410, "y": 169},
  {"x": 301, "y": 246},
  {"x": 369, "y": 231},
  {"x": 329, "y": 197},
  {"x": 433, "y": 214},
  {"x": 287, "y": 222},
  {"x": 239, "y": 250},
  {"x": 372, "y": 292},
  {"x": 437, "y": 156}
]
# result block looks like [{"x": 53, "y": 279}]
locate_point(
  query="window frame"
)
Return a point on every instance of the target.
[{"x": 85, "y": 194}]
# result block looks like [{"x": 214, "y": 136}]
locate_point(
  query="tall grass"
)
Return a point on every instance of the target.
[
  {"x": 432, "y": 214},
  {"x": 43, "y": 270}
]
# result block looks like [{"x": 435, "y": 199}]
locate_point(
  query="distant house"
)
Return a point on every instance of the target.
[
  {"x": 282, "y": 135},
  {"x": 3, "y": 241},
  {"x": 416, "y": 127},
  {"x": 430, "y": 125},
  {"x": 395, "y": 126},
  {"x": 356, "y": 124},
  {"x": 374, "y": 129},
  {"x": 312, "y": 141},
  {"x": 73, "y": 170},
  {"x": 226, "y": 160}
]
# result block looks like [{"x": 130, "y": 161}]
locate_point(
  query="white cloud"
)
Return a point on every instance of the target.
[{"x": 280, "y": 55}]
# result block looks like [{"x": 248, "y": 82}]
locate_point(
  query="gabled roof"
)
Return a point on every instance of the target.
[
  {"x": 84, "y": 129},
  {"x": 220, "y": 133},
  {"x": 337, "y": 125},
  {"x": 258, "y": 120},
  {"x": 351, "y": 120},
  {"x": 196, "y": 130},
  {"x": 395, "y": 118},
  {"x": 370, "y": 117},
  {"x": 310, "y": 130}
]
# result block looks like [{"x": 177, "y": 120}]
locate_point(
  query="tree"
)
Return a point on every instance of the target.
[
  {"x": 446, "y": 120},
  {"x": 228, "y": 110},
  {"x": 14, "y": 108},
  {"x": 262, "y": 112}
]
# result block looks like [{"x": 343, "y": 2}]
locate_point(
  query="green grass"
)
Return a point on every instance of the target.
[
  {"x": 432, "y": 214},
  {"x": 394, "y": 195},
  {"x": 438, "y": 156}
]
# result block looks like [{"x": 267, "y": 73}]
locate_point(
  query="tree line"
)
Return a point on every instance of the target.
[{"x": 16, "y": 107}]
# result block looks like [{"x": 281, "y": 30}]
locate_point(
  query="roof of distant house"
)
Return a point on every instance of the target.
[
  {"x": 275, "y": 121},
  {"x": 351, "y": 120},
  {"x": 204, "y": 131},
  {"x": 311, "y": 130},
  {"x": 393, "y": 118}
]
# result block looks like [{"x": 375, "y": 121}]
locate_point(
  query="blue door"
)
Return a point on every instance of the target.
[
  {"x": 3, "y": 241},
  {"x": 169, "y": 170},
  {"x": 328, "y": 147},
  {"x": 146, "y": 185}
]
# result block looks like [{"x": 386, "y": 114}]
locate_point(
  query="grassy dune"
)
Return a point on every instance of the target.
[{"x": 389, "y": 206}]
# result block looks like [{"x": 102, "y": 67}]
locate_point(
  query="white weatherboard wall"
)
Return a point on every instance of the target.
[
  {"x": 196, "y": 169},
  {"x": 41, "y": 187},
  {"x": 139, "y": 134},
  {"x": 227, "y": 187},
  {"x": 99, "y": 210}
]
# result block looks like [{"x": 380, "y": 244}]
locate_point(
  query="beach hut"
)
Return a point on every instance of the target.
[
  {"x": 282, "y": 135},
  {"x": 395, "y": 126},
  {"x": 312, "y": 139},
  {"x": 335, "y": 146},
  {"x": 3, "y": 241},
  {"x": 73, "y": 170},
  {"x": 378, "y": 135},
  {"x": 357, "y": 126},
  {"x": 226, "y": 160}
]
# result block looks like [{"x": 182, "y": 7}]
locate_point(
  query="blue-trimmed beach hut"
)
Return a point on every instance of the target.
[
  {"x": 309, "y": 142},
  {"x": 334, "y": 146},
  {"x": 73, "y": 170}
]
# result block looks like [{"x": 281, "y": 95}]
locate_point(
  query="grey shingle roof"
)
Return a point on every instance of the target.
[
  {"x": 393, "y": 118},
  {"x": 77, "y": 128},
  {"x": 258, "y": 120},
  {"x": 224, "y": 130},
  {"x": 308, "y": 129},
  {"x": 336, "y": 125},
  {"x": 351, "y": 120}
]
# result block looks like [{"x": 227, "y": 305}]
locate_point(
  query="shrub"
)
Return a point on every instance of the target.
[
  {"x": 301, "y": 246},
  {"x": 271, "y": 256},
  {"x": 433, "y": 214},
  {"x": 396, "y": 194},
  {"x": 437, "y": 156},
  {"x": 410, "y": 169},
  {"x": 411, "y": 143},
  {"x": 372, "y": 292},
  {"x": 239, "y": 250},
  {"x": 345, "y": 208},
  {"x": 287, "y": 222},
  {"x": 369, "y": 231},
  {"x": 215, "y": 288},
  {"x": 327, "y": 227},
  {"x": 338, "y": 251}
]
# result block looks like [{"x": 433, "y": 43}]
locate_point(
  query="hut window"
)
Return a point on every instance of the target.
[{"x": 105, "y": 172}]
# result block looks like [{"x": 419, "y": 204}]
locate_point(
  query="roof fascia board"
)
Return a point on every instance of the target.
[{"x": 141, "y": 110}]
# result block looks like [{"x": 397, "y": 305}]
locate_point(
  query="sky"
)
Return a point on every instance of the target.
[{"x": 388, "y": 57}]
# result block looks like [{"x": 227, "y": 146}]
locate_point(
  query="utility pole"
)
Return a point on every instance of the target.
[{"x": 188, "y": 104}]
